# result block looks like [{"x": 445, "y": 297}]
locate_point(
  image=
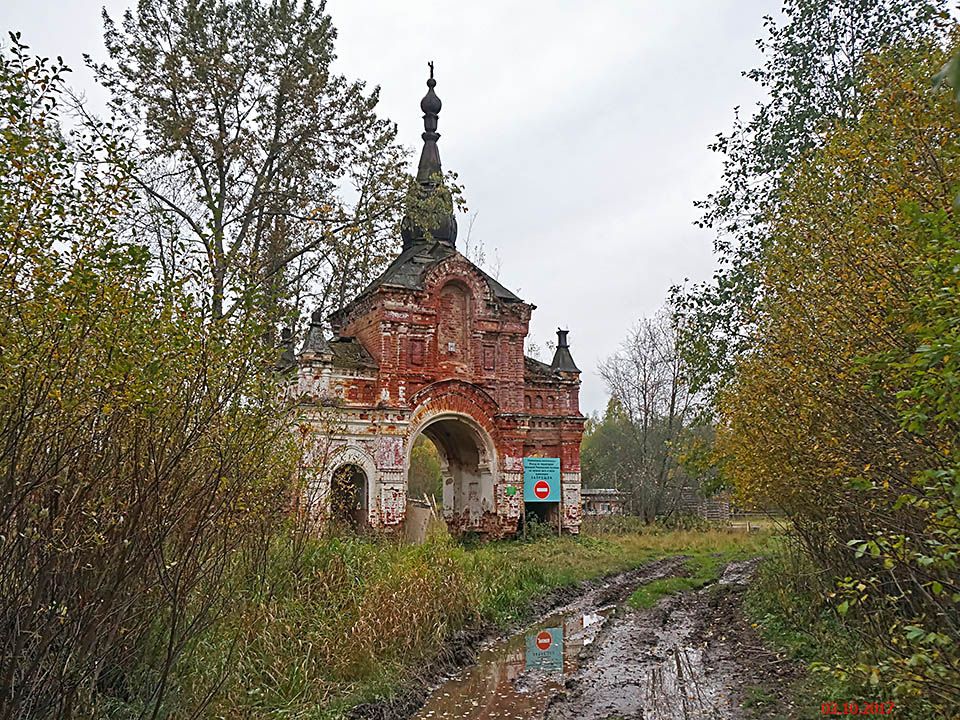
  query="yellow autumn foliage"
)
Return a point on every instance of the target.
[
  {"x": 824, "y": 420},
  {"x": 806, "y": 412}
]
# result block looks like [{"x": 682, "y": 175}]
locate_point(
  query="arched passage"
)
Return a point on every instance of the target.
[
  {"x": 467, "y": 469},
  {"x": 348, "y": 495}
]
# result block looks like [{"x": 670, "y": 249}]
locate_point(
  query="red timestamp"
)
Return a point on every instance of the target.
[{"x": 853, "y": 708}]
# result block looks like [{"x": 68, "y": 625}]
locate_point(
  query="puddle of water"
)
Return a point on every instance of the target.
[
  {"x": 738, "y": 573},
  {"x": 677, "y": 686},
  {"x": 515, "y": 679}
]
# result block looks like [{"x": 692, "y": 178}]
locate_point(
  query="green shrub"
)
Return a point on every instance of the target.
[{"x": 792, "y": 603}]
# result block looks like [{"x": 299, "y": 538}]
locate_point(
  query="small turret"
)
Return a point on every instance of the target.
[
  {"x": 562, "y": 359},
  {"x": 315, "y": 343}
]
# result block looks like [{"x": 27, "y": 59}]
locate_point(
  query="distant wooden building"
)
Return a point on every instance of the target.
[
  {"x": 603, "y": 501},
  {"x": 713, "y": 508}
]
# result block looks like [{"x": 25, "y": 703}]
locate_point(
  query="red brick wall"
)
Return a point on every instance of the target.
[
  {"x": 408, "y": 333},
  {"x": 453, "y": 329}
]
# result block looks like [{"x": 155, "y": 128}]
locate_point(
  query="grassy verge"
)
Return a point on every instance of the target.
[
  {"x": 702, "y": 568},
  {"x": 789, "y": 604},
  {"x": 785, "y": 606},
  {"x": 349, "y": 619},
  {"x": 557, "y": 562}
]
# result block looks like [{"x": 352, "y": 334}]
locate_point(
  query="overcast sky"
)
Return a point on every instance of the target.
[{"x": 578, "y": 129}]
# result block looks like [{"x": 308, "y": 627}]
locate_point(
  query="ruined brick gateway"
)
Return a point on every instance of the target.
[{"x": 434, "y": 346}]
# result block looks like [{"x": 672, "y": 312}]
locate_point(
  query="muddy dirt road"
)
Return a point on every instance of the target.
[{"x": 693, "y": 655}]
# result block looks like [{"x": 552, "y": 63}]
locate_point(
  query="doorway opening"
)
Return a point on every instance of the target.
[
  {"x": 425, "y": 479},
  {"x": 348, "y": 496},
  {"x": 541, "y": 517}
]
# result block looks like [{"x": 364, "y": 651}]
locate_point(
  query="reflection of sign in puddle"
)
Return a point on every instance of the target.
[
  {"x": 545, "y": 650},
  {"x": 515, "y": 679}
]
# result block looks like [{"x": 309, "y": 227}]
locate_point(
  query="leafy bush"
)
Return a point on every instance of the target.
[{"x": 144, "y": 455}]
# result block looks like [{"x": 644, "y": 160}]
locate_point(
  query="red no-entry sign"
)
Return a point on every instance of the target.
[
  {"x": 541, "y": 489},
  {"x": 544, "y": 640}
]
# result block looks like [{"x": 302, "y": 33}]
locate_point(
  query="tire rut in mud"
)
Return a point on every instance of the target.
[{"x": 693, "y": 655}]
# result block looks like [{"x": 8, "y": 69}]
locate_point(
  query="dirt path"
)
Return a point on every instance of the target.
[
  {"x": 518, "y": 676},
  {"x": 479, "y": 666},
  {"x": 691, "y": 656}
]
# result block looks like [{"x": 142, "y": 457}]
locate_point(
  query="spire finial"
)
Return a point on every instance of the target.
[
  {"x": 430, "y": 173},
  {"x": 430, "y": 105}
]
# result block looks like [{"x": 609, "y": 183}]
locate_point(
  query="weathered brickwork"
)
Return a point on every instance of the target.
[{"x": 435, "y": 347}]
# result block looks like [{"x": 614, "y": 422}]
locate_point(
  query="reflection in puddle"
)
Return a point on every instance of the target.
[
  {"x": 515, "y": 678},
  {"x": 677, "y": 687}
]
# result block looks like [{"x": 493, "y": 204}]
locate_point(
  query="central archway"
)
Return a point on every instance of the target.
[{"x": 467, "y": 469}]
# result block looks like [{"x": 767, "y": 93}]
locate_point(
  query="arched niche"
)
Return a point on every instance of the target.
[
  {"x": 349, "y": 487},
  {"x": 349, "y": 496},
  {"x": 454, "y": 324}
]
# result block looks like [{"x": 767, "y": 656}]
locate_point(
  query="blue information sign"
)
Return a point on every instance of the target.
[{"x": 541, "y": 479}]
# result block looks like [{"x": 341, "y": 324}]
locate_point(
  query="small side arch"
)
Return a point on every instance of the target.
[{"x": 351, "y": 469}]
